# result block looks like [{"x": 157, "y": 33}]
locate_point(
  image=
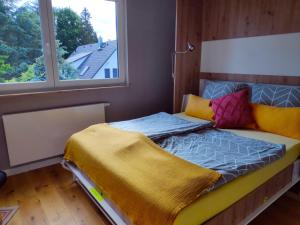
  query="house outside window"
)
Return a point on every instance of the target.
[{"x": 55, "y": 44}]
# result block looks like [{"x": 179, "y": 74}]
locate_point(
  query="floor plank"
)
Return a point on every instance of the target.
[{"x": 48, "y": 196}]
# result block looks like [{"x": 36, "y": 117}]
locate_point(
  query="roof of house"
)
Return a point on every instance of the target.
[{"x": 93, "y": 58}]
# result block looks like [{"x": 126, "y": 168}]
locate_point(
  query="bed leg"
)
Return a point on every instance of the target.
[
  {"x": 294, "y": 192},
  {"x": 75, "y": 178}
]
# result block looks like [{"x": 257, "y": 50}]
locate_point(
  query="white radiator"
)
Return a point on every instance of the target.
[{"x": 40, "y": 135}]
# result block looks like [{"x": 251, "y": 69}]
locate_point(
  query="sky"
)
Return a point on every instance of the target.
[{"x": 102, "y": 12}]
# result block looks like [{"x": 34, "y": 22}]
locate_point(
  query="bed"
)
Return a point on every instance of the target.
[
  {"x": 230, "y": 193},
  {"x": 236, "y": 202}
]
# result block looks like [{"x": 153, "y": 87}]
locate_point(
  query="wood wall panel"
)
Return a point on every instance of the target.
[
  {"x": 223, "y": 19},
  {"x": 287, "y": 80},
  {"x": 188, "y": 29}
]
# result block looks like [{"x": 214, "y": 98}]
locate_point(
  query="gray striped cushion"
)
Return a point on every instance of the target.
[
  {"x": 216, "y": 89},
  {"x": 276, "y": 95}
]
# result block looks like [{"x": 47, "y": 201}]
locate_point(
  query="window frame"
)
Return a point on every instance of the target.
[{"x": 49, "y": 49}]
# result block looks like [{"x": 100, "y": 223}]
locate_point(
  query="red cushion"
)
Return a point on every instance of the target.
[{"x": 233, "y": 110}]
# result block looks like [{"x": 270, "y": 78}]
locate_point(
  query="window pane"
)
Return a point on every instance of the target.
[
  {"x": 86, "y": 39},
  {"x": 115, "y": 73},
  {"x": 21, "y": 54},
  {"x": 107, "y": 73}
]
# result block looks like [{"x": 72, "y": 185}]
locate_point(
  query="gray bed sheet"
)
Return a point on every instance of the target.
[
  {"x": 160, "y": 125},
  {"x": 227, "y": 153},
  {"x": 199, "y": 143}
]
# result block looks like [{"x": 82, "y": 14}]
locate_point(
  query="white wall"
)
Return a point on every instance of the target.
[
  {"x": 111, "y": 63},
  {"x": 264, "y": 55}
]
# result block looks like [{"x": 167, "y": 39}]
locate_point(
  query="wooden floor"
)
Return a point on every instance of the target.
[{"x": 48, "y": 196}]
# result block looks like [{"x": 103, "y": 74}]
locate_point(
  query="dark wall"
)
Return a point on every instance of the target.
[{"x": 151, "y": 33}]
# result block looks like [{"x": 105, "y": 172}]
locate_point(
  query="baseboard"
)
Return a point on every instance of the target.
[{"x": 32, "y": 166}]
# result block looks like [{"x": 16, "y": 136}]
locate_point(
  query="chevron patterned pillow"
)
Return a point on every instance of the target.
[
  {"x": 276, "y": 95},
  {"x": 217, "y": 89}
]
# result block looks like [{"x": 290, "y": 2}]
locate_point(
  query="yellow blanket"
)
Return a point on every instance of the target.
[{"x": 149, "y": 185}]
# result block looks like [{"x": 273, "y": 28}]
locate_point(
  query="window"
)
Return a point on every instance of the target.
[
  {"x": 107, "y": 73},
  {"x": 22, "y": 58},
  {"x": 83, "y": 72},
  {"x": 49, "y": 44},
  {"x": 115, "y": 73}
]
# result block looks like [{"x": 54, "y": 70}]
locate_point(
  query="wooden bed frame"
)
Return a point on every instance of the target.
[
  {"x": 240, "y": 213},
  {"x": 249, "y": 207},
  {"x": 105, "y": 206}
]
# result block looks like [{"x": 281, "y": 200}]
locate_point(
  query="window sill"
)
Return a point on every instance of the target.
[{"x": 63, "y": 90}]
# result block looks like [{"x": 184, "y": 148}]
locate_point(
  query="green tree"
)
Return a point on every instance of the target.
[
  {"x": 72, "y": 30},
  {"x": 88, "y": 35},
  {"x": 68, "y": 29},
  {"x": 20, "y": 36},
  {"x": 21, "y": 55},
  {"x": 27, "y": 75},
  {"x": 3, "y": 68},
  {"x": 29, "y": 32},
  {"x": 66, "y": 71},
  {"x": 6, "y": 24}
]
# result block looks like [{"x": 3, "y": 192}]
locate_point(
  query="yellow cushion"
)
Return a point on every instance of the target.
[
  {"x": 277, "y": 120},
  {"x": 199, "y": 107}
]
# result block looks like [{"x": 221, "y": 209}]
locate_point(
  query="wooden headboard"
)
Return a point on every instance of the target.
[
  {"x": 250, "y": 78},
  {"x": 228, "y": 19}
]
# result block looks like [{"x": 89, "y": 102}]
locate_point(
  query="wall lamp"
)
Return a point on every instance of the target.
[{"x": 189, "y": 48}]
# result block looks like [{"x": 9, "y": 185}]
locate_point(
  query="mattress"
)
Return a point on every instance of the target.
[{"x": 223, "y": 197}]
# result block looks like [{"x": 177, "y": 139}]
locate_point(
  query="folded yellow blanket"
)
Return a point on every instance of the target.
[{"x": 149, "y": 185}]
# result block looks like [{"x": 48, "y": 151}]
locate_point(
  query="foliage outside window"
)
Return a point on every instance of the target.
[{"x": 76, "y": 50}]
